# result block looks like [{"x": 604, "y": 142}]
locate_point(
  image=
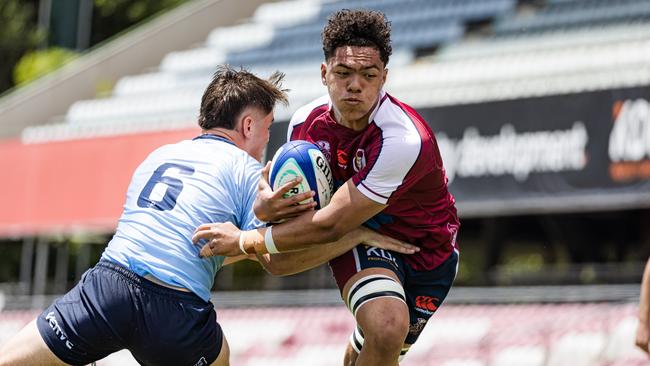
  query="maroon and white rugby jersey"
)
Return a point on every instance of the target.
[{"x": 395, "y": 160}]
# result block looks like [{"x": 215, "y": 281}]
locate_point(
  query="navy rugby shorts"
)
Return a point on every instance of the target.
[
  {"x": 112, "y": 308},
  {"x": 425, "y": 290}
]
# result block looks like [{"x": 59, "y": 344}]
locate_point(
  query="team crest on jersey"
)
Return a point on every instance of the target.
[
  {"x": 324, "y": 146},
  {"x": 359, "y": 160}
]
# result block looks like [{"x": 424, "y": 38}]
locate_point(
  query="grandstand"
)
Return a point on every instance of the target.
[{"x": 555, "y": 92}]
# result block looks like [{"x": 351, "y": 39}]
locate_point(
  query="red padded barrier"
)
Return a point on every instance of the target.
[{"x": 71, "y": 186}]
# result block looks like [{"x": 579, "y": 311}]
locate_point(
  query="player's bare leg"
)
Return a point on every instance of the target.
[
  {"x": 385, "y": 324},
  {"x": 350, "y": 357},
  {"x": 224, "y": 355},
  {"x": 27, "y": 348}
]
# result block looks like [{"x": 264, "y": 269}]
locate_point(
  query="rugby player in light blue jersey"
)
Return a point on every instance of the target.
[{"x": 150, "y": 292}]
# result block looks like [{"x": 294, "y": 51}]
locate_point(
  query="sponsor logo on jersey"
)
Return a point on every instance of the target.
[
  {"x": 629, "y": 141},
  {"x": 324, "y": 146},
  {"x": 342, "y": 158},
  {"x": 426, "y": 304},
  {"x": 54, "y": 324},
  {"x": 359, "y": 160}
]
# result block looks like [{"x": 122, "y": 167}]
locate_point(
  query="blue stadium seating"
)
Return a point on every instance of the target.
[
  {"x": 572, "y": 14},
  {"x": 433, "y": 23},
  {"x": 536, "y": 51}
]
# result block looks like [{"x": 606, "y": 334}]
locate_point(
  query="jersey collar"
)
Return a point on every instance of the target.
[{"x": 210, "y": 136}]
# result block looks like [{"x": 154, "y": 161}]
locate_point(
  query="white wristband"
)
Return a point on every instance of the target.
[
  {"x": 268, "y": 241},
  {"x": 241, "y": 242}
]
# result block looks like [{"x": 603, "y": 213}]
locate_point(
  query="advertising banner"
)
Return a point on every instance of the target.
[{"x": 587, "y": 151}]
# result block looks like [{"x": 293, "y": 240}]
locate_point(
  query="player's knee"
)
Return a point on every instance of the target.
[
  {"x": 385, "y": 325},
  {"x": 378, "y": 303},
  {"x": 389, "y": 329}
]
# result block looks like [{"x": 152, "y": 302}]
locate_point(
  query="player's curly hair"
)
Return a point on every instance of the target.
[
  {"x": 231, "y": 91},
  {"x": 366, "y": 28}
]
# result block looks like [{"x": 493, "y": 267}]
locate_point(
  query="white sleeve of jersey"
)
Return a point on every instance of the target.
[
  {"x": 399, "y": 152},
  {"x": 303, "y": 112}
]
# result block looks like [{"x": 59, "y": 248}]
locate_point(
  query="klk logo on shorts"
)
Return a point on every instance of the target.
[{"x": 381, "y": 253}]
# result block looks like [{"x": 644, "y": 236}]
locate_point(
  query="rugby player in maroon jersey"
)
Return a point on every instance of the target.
[{"x": 390, "y": 178}]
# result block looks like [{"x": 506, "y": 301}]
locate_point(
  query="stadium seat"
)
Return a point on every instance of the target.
[
  {"x": 520, "y": 356},
  {"x": 286, "y": 12},
  {"x": 569, "y": 14},
  {"x": 620, "y": 344},
  {"x": 464, "y": 362},
  {"x": 240, "y": 37},
  {"x": 577, "y": 349}
]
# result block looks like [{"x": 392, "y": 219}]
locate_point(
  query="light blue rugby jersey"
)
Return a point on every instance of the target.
[{"x": 177, "y": 188}]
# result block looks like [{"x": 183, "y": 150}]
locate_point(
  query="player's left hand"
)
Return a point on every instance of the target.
[
  {"x": 375, "y": 239},
  {"x": 272, "y": 206},
  {"x": 222, "y": 239}
]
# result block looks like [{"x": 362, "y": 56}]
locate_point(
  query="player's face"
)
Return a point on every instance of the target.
[
  {"x": 354, "y": 77},
  {"x": 257, "y": 125}
]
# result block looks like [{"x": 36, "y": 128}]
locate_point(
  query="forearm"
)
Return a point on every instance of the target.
[
  {"x": 310, "y": 229},
  {"x": 644, "y": 303},
  {"x": 288, "y": 263},
  {"x": 298, "y": 234},
  {"x": 348, "y": 209}
]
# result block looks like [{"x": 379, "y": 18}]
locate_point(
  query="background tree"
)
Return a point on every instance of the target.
[
  {"x": 113, "y": 16},
  {"x": 18, "y": 35}
]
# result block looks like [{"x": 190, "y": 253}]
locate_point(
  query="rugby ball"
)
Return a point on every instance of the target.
[{"x": 303, "y": 159}]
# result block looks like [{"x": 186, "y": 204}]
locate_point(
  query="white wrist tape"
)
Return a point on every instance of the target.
[
  {"x": 268, "y": 241},
  {"x": 241, "y": 242}
]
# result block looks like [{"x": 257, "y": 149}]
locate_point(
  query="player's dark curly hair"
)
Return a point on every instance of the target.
[
  {"x": 366, "y": 28},
  {"x": 231, "y": 91}
]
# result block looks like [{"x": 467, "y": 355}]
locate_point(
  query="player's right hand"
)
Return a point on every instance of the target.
[
  {"x": 375, "y": 239},
  {"x": 221, "y": 238},
  {"x": 271, "y": 206}
]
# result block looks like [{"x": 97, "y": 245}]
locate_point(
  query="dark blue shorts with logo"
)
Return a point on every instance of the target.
[
  {"x": 425, "y": 290},
  {"x": 112, "y": 308}
]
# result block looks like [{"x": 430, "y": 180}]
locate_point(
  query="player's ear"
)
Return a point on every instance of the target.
[
  {"x": 323, "y": 72},
  {"x": 247, "y": 125}
]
